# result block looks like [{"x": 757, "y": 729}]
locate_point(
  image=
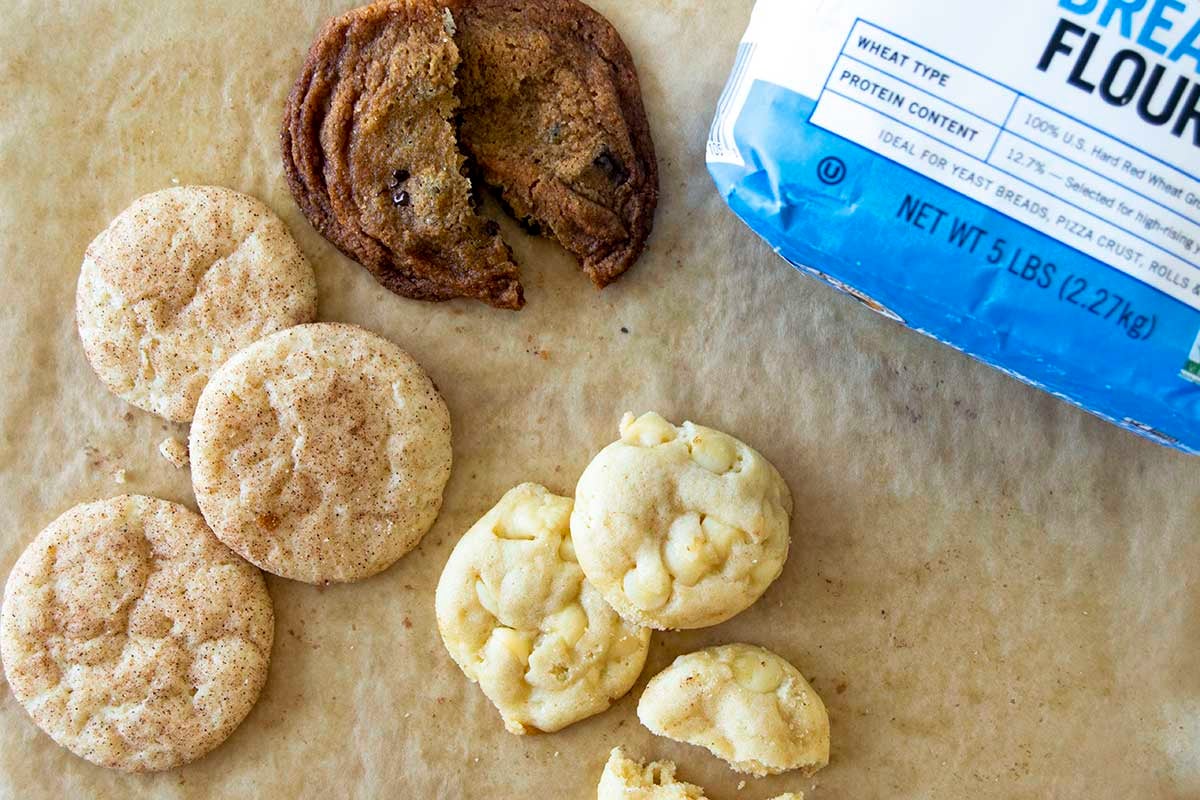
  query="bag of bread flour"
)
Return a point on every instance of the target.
[{"x": 1020, "y": 180}]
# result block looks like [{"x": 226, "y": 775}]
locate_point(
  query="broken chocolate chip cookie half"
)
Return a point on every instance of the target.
[{"x": 405, "y": 107}]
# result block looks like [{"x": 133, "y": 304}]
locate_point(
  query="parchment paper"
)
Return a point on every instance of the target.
[{"x": 995, "y": 594}]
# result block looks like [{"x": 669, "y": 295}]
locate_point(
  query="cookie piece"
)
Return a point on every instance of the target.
[
  {"x": 371, "y": 155},
  {"x": 132, "y": 636},
  {"x": 552, "y": 116},
  {"x": 179, "y": 282},
  {"x": 320, "y": 453},
  {"x": 743, "y": 703},
  {"x": 680, "y": 527},
  {"x": 174, "y": 451},
  {"x": 625, "y": 778},
  {"x": 518, "y": 617}
]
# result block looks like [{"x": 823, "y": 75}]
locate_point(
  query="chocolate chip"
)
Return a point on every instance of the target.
[
  {"x": 490, "y": 227},
  {"x": 398, "y": 177},
  {"x": 611, "y": 166},
  {"x": 401, "y": 198}
]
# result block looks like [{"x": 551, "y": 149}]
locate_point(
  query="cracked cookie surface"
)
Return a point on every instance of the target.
[
  {"x": 543, "y": 99},
  {"x": 320, "y": 453},
  {"x": 179, "y": 282},
  {"x": 132, "y": 636},
  {"x": 743, "y": 703},
  {"x": 517, "y": 616},
  {"x": 626, "y": 778},
  {"x": 680, "y": 527}
]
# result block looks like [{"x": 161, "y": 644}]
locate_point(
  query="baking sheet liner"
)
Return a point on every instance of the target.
[{"x": 995, "y": 594}]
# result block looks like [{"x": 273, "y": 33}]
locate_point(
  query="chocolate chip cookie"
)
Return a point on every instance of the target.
[{"x": 400, "y": 103}]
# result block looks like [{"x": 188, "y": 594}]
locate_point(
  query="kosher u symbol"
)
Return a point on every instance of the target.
[{"x": 831, "y": 171}]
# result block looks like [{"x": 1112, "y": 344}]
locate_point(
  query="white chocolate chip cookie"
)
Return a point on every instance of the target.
[
  {"x": 179, "y": 282},
  {"x": 320, "y": 453},
  {"x": 627, "y": 779},
  {"x": 518, "y": 617},
  {"x": 745, "y": 704},
  {"x": 680, "y": 527},
  {"x": 132, "y": 636}
]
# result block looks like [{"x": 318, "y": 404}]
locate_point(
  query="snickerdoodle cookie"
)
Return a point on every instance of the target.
[
  {"x": 134, "y": 637},
  {"x": 179, "y": 282},
  {"x": 320, "y": 453}
]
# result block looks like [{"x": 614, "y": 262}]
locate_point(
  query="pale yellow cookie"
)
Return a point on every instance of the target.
[
  {"x": 518, "y": 617},
  {"x": 626, "y": 778},
  {"x": 680, "y": 527},
  {"x": 745, "y": 704},
  {"x": 132, "y": 636},
  {"x": 179, "y": 282},
  {"x": 320, "y": 453}
]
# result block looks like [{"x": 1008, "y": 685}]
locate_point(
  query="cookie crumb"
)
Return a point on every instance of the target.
[{"x": 174, "y": 451}]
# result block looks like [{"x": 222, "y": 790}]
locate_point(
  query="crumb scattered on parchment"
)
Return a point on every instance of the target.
[
  {"x": 174, "y": 451},
  {"x": 99, "y": 460}
]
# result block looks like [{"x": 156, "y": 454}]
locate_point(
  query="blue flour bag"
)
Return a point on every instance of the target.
[{"x": 1019, "y": 180}]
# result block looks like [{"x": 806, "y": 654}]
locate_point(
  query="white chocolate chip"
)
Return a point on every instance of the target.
[
  {"x": 648, "y": 585},
  {"x": 713, "y": 451},
  {"x": 647, "y": 430},
  {"x": 517, "y": 644},
  {"x": 487, "y": 598},
  {"x": 722, "y": 537},
  {"x": 521, "y": 524},
  {"x": 569, "y": 624},
  {"x": 688, "y": 555},
  {"x": 756, "y": 673},
  {"x": 627, "y": 645}
]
